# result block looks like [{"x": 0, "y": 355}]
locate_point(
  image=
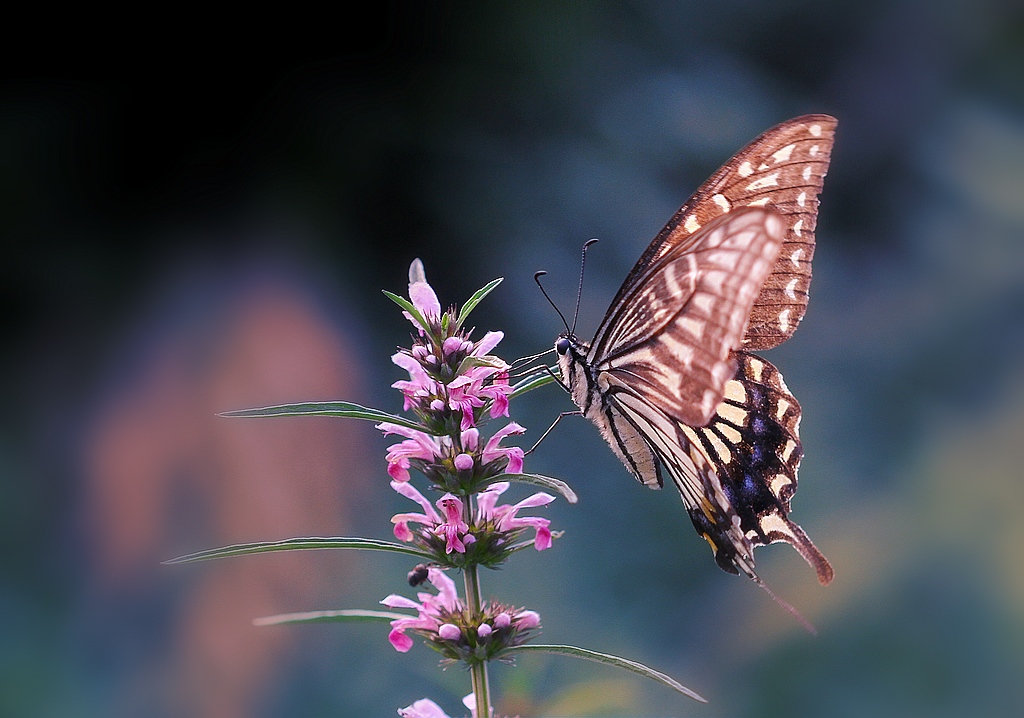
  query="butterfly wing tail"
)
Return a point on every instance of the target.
[{"x": 795, "y": 536}]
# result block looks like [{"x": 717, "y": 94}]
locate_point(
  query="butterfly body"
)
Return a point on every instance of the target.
[{"x": 669, "y": 379}]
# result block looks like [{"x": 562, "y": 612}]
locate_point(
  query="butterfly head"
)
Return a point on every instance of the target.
[
  {"x": 569, "y": 346},
  {"x": 572, "y": 364}
]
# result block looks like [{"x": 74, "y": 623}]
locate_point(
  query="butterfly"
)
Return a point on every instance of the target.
[{"x": 670, "y": 379}]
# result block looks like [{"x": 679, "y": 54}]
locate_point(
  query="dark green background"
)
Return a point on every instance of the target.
[{"x": 144, "y": 185}]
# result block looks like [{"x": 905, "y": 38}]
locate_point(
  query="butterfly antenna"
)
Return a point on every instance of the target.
[
  {"x": 524, "y": 361},
  {"x": 536, "y": 278},
  {"x": 808, "y": 626},
  {"x": 579, "y": 292}
]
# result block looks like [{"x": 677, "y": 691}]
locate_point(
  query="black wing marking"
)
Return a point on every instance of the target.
[{"x": 754, "y": 443}]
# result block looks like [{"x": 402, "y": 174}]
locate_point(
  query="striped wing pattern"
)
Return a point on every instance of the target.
[
  {"x": 735, "y": 476},
  {"x": 784, "y": 168},
  {"x": 672, "y": 336},
  {"x": 669, "y": 379}
]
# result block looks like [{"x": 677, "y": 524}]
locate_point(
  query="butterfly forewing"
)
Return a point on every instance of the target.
[
  {"x": 783, "y": 168},
  {"x": 670, "y": 338}
]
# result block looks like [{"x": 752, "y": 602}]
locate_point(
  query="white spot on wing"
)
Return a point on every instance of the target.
[
  {"x": 788, "y": 450},
  {"x": 783, "y": 154},
  {"x": 813, "y": 151},
  {"x": 724, "y": 455},
  {"x": 759, "y": 202},
  {"x": 798, "y": 227},
  {"x": 745, "y": 170},
  {"x": 734, "y": 391},
  {"x": 756, "y": 368},
  {"x": 778, "y": 481},
  {"x": 807, "y": 172},
  {"x": 815, "y": 130},
  {"x": 795, "y": 258},
  {"x": 790, "y": 289},
  {"x": 801, "y": 199},
  {"x": 784, "y": 320},
  {"x": 722, "y": 202},
  {"x": 771, "y": 180},
  {"x": 781, "y": 409},
  {"x": 733, "y": 414},
  {"x": 731, "y": 434},
  {"x": 691, "y": 224}
]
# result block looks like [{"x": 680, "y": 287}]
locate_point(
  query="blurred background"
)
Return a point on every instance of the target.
[{"x": 203, "y": 225}]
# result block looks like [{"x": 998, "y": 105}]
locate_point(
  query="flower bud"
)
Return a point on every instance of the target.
[{"x": 449, "y": 632}]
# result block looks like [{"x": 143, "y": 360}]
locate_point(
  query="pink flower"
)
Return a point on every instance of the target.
[
  {"x": 514, "y": 454},
  {"x": 417, "y": 446},
  {"x": 449, "y": 632},
  {"x": 462, "y": 396},
  {"x": 451, "y": 345},
  {"x": 426, "y": 708},
  {"x": 425, "y": 300},
  {"x": 498, "y": 392},
  {"x": 429, "y": 610},
  {"x": 429, "y": 517},
  {"x": 506, "y": 518},
  {"x": 453, "y": 524},
  {"x": 423, "y": 708},
  {"x": 457, "y": 534},
  {"x": 527, "y": 619},
  {"x": 420, "y": 385},
  {"x": 489, "y": 341}
]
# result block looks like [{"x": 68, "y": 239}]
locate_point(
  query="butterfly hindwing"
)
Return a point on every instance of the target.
[
  {"x": 753, "y": 441},
  {"x": 678, "y": 453}
]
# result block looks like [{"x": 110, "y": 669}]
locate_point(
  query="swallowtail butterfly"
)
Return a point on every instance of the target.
[{"x": 670, "y": 379}]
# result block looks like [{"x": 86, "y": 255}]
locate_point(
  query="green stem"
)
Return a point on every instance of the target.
[{"x": 478, "y": 671}]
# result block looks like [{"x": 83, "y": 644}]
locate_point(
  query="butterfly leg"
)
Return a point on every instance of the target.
[{"x": 553, "y": 425}]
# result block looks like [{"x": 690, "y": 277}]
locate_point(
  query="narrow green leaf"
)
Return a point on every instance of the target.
[
  {"x": 533, "y": 381},
  {"x": 407, "y": 306},
  {"x": 545, "y": 482},
  {"x": 348, "y": 615},
  {"x": 609, "y": 660},
  {"x": 301, "y": 544},
  {"x": 345, "y": 409},
  {"x": 471, "y": 303}
]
